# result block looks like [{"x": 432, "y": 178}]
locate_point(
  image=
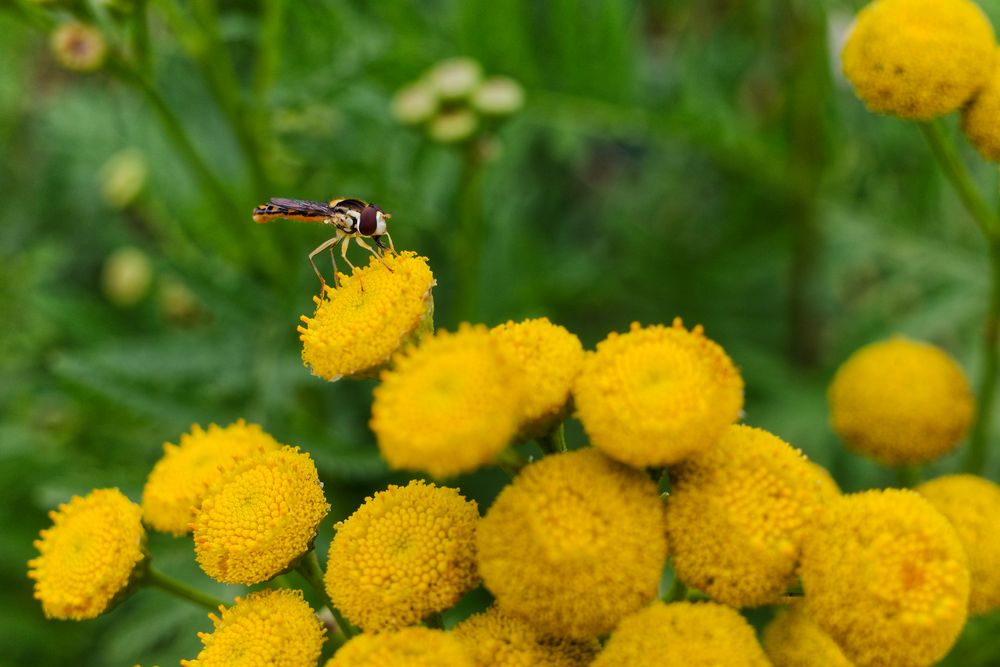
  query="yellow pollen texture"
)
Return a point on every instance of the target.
[
  {"x": 360, "y": 324},
  {"x": 981, "y": 118},
  {"x": 574, "y": 544},
  {"x": 885, "y": 576},
  {"x": 88, "y": 556},
  {"x": 259, "y": 517},
  {"x": 409, "y": 647},
  {"x": 406, "y": 553},
  {"x": 656, "y": 395},
  {"x": 793, "y": 639},
  {"x": 496, "y": 639}
]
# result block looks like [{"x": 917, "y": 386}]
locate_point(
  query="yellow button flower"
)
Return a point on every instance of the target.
[
  {"x": 406, "y": 553},
  {"x": 972, "y": 505},
  {"x": 449, "y": 405},
  {"x": 259, "y": 517},
  {"x": 574, "y": 544},
  {"x": 793, "y": 639},
  {"x": 886, "y": 577},
  {"x": 919, "y": 58},
  {"x": 656, "y": 395},
  {"x": 549, "y": 358},
  {"x": 359, "y": 325},
  {"x": 409, "y": 647},
  {"x": 737, "y": 514},
  {"x": 183, "y": 475},
  {"x": 496, "y": 639},
  {"x": 981, "y": 118},
  {"x": 274, "y": 627},
  {"x": 901, "y": 401},
  {"x": 90, "y": 556},
  {"x": 683, "y": 634}
]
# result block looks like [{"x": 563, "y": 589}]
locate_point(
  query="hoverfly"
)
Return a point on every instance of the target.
[{"x": 353, "y": 218}]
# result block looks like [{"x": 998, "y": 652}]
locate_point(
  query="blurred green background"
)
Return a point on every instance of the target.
[{"x": 700, "y": 159}]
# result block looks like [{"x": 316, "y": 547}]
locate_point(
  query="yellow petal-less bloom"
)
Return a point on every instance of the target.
[
  {"x": 409, "y": 647},
  {"x": 981, "y": 118},
  {"x": 90, "y": 555},
  {"x": 901, "y": 401},
  {"x": 656, "y": 395},
  {"x": 683, "y": 634},
  {"x": 496, "y": 639},
  {"x": 737, "y": 514},
  {"x": 793, "y": 639},
  {"x": 918, "y": 59},
  {"x": 972, "y": 505},
  {"x": 179, "y": 479},
  {"x": 359, "y": 325},
  {"x": 259, "y": 517},
  {"x": 449, "y": 405},
  {"x": 549, "y": 358},
  {"x": 274, "y": 627},
  {"x": 885, "y": 576},
  {"x": 823, "y": 480},
  {"x": 574, "y": 544},
  {"x": 407, "y": 552}
]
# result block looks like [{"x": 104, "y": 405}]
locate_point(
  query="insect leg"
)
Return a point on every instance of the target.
[
  {"x": 343, "y": 253},
  {"x": 361, "y": 242},
  {"x": 392, "y": 248},
  {"x": 329, "y": 243}
]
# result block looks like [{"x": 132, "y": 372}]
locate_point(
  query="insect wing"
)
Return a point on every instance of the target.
[
  {"x": 292, "y": 209},
  {"x": 348, "y": 204}
]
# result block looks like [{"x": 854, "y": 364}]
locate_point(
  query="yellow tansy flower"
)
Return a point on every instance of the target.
[
  {"x": 981, "y": 118},
  {"x": 259, "y": 517},
  {"x": 79, "y": 47},
  {"x": 901, "y": 401},
  {"x": 736, "y": 516},
  {"x": 919, "y": 58},
  {"x": 683, "y": 635},
  {"x": 496, "y": 639},
  {"x": 823, "y": 480},
  {"x": 275, "y": 627},
  {"x": 406, "y": 553},
  {"x": 972, "y": 505},
  {"x": 656, "y": 395},
  {"x": 183, "y": 475},
  {"x": 886, "y": 577},
  {"x": 90, "y": 556},
  {"x": 574, "y": 544},
  {"x": 793, "y": 639},
  {"x": 409, "y": 647},
  {"x": 449, "y": 405},
  {"x": 548, "y": 358},
  {"x": 358, "y": 325}
]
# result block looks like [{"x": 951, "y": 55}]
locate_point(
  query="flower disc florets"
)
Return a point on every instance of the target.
[
  {"x": 260, "y": 517},
  {"x": 919, "y": 58},
  {"x": 409, "y": 647},
  {"x": 449, "y": 405},
  {"x": 656, "y": 395},
  {"x": 981, "y": 118},
  {"x": 793, "y": 639},
  {"x": 886, "y": 577},
  {"x": 275, "y": 627},
  {"x": 179, "y": 479},
  {"x": 574, "y": 544},
  {"x": 496, "y": 639},
  {"x": 90, "y": 556},
  {"x": 360, "y": 324},
  {"x": 407, "y": 552}
]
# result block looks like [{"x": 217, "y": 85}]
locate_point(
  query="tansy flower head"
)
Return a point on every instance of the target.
[
  {"x": 259, "y": 517},
  {"x": 496, "y": 639},
  {"x": 972, "y": 505},
  {"x": 736, "y": 516},
  {"x": 449, "y": 405},
  {"x": 79, "y": 47},
  {"x": 900, "y": 401},
  {"x": 885, "y": 576},
  {"x": 918, "y": 58},
  {"x": 822, "y": 479},
  {"x": 549, "y": 358},
  {"x": 574, "y": 544},
  {"x": 793, "y": 639},
  {"x": 407, "y": 552},
  {"x": 656, "y": 395},
  {"x": 682, "y": 635},
  {"x": 273, "y": 627},
  {"x": 358, "y": 325},
  {"x": 90, "y": 556},
  {"x": 179, "y": 479},
  {"x": 981, "y": 118},
  {"x": 409, "y": 647}
]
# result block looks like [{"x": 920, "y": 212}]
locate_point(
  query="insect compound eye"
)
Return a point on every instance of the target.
[{"x": 369, "y": 220}]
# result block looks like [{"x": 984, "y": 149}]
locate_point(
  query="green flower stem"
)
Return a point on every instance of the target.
[
  {"x": 511, "y": 461},
  {"x": 467, "y": 243},
  {"x": 975, "y": 461},
  {"x": 310, "y": 569},
  {"x": 678, "y": 591},
  {"x": 909, "y": 476},
  {"x": 554, "y": 441},
  {"x": 156, "y": 579}
]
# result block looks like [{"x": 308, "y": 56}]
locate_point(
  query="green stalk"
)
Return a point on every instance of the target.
[
  {"x": 554, "y": 441},
  {"x": 511, "y": 461},
  {"x": 156, "y": 579},
  {"x": 311, "y": 571},
  {"x": 909, "y": 476},
  {"x": 467, "y": 243},
  {"x": 678, "y": 591}
]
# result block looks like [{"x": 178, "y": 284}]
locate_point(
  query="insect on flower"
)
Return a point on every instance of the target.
[{"x": 353, "y": 218}]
